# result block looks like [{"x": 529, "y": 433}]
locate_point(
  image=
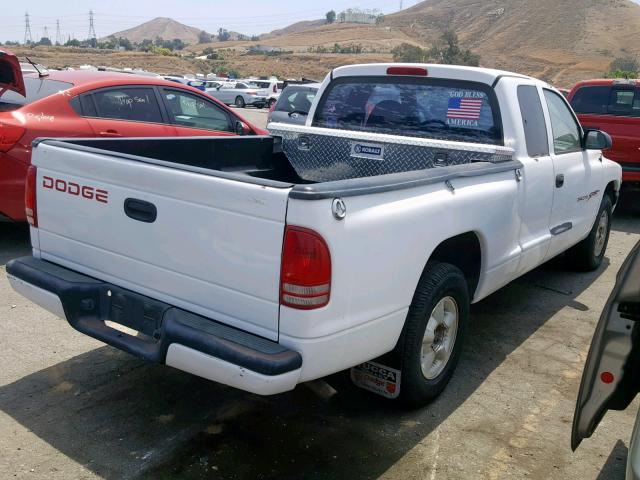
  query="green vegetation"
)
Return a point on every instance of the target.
[
  {"x": 446, "y": 51},
  {"x": 330, "y": 16},
  {"x": 354, "y": 48},
  {"x": 623, "y": 67}
]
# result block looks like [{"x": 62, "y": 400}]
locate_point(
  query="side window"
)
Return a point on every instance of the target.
[
  {"x": 128, "y": 103},
  {"x": 188, "y": 110},
  {"x": 566, "y": 131},
  {"x": 535, "y": 129},
  {"x": 622, "y": 102}
]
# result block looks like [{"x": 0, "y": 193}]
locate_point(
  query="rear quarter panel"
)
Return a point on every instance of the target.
[{"x": 380, "y": 249}]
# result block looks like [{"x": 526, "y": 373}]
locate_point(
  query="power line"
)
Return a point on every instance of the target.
[{"x": 27, "y": 30}]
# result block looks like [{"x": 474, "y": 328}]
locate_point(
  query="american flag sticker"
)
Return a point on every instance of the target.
[{"x": 464, "y": 108}]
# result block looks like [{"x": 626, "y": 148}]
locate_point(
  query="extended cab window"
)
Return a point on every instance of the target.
[
  {"x": 188, "y": 110},
  {"x": 625, "y": 102},
  {"x": 440, "y": 109},
  {"x": 535, "y": 128},
  {"x": 565, "y": 128},
  {"x": 137, "y": 104}
]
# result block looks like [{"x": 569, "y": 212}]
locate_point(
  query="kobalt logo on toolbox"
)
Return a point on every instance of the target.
[
  {"x": 75, "y": 189},
  {"x": 367, "y": 150}
]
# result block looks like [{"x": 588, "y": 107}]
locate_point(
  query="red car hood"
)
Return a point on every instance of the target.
[{"x": 10, "y": 73}]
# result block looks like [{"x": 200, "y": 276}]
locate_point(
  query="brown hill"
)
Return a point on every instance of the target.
[
  {"x": 165, "y": 28},
  {"x": 557, "y": 40}
]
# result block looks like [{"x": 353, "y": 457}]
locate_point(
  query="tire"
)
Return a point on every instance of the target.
[
  {"x": 260, "y": 106},
  {"x": 239, "y": 102},
  {"x": 587, "y": 255},
  {"x": 272, "y": 102},
  {"x": 440, "y": 284}
]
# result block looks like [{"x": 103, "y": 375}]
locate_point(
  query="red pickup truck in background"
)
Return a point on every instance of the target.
[{"x": 613, "y": 106}]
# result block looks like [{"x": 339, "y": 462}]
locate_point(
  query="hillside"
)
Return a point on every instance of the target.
[
  {"x": 560, "y": 41},
  {"x": 165, "y": 28},
  {"x": 557, "y": 40}
]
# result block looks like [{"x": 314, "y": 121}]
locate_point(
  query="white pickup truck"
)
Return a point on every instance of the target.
[{"x": 356, "y": 241}]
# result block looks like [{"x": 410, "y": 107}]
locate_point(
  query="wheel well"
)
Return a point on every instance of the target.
[
  {"x": 464, "y": 252},
  {"x": 612, "y": 192}
]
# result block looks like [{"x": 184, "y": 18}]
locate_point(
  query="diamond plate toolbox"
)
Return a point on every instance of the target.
[{"x": 322, "y": 154}]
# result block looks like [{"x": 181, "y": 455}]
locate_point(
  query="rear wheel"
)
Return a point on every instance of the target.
[
  {"x": 239, "y": 102},
  {"x": 431, "y": 341},
  {"x": 272, "y": 102},
  {"x": 589, "y": 253}
]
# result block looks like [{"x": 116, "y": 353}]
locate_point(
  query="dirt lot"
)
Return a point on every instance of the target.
[{"x": 71, "y": 407}]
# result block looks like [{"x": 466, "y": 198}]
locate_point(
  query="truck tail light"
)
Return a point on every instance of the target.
[
  {"x": 305, "y": 276},
  {"x": 30, "y": 201},
  {"x": 9, "y": 136},
  {"x": 411, "y": 71}
]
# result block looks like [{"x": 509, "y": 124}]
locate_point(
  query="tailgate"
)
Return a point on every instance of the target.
[{"x": 213, "y": 248}]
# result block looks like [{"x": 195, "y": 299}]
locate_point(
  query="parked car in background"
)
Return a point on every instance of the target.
[
  {"x": 89, "y": 103},
  {"x": 610, "y": 377},
  {"x": 269, "y": 88},
  {"x": 613, "y": 106},
  {"x": 199, "y": 84},
  {"x": 294, "y": 104},
  {"x": 239, "y": 94}
]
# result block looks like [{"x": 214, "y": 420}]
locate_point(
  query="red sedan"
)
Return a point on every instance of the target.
[{"x": 94, "y": 104}]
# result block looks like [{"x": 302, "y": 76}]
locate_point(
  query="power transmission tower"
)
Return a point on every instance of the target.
[
  {"x": 92, "y": 30},
  {"x": 58, "y": 34},
  {"x": 45, "y": 33},
  {"x": 400, "y": 4},
  {"x": 27, "y": 30}
]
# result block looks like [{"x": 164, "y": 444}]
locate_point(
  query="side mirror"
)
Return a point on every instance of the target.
[
  {"x": 597, "y": 140},
  {"x": 242, "y": 128}
]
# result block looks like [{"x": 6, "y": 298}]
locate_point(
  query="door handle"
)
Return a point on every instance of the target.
[
  {"x": 110, "y": 133},
  {"x": 559, "y": 180},
  {"x": 140, "y": 210}
]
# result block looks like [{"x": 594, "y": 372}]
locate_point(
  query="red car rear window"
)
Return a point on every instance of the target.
[{"x": 37, "y": 88}]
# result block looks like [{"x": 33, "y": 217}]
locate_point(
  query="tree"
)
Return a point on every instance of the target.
[
  {"x": 44, "y": 41},
  {"x": 330, "y": 16},
  {"x": 623, "y": 67},
  {"x": 223, "y": 35},
  {"x": 72, "y": 43},
  {"x": 407, "y": 53},
  {"x": 448, "y": 51},
  {"x": 204, "y": 37}
]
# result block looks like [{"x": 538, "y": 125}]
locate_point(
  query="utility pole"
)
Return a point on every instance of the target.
[
  {"x": 58, "y": 34},
  {"x": 400, "y": 4},
  {"x": 92, "y": 30},
  {"x": 27, "y": 30}
]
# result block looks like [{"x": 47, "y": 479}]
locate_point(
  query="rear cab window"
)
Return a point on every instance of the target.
[
  {"x": 36, "y": 89},
  {"x": 416, "y": 107},
  {"x": 296, "y": 99},
  {"x": 616, "y": 99}
]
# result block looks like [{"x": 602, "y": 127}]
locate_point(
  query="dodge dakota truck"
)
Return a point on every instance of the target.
[{"x": 357, "y": 241}]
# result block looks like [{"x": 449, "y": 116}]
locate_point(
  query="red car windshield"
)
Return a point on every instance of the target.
[{"x": 37, "y": 88}]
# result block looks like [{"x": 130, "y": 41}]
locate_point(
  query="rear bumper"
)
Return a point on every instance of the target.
[{"x": 167, "y": 334}]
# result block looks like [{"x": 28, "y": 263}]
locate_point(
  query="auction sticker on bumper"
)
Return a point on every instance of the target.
[{"x": 377, "y": 378}]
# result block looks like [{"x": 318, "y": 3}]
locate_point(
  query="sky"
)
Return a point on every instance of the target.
[{"x": 244, "y": 16}]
